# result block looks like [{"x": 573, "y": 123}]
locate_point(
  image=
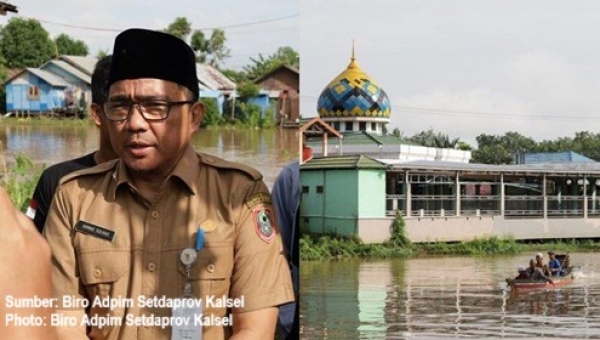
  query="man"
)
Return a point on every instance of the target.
[
  {"x": 535, "y": 273},
  {"x": 286, "y": 201},
  {"x": 46, "y": 186},
  {"x": 539, "y": 260},
  {"x": 162, "y": 222},
  {"x": 554, "y": 264},
  {"x": 24, "y": 274}
]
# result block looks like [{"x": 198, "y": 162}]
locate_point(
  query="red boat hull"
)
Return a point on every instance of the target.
[{"x": 527, "y": 284}]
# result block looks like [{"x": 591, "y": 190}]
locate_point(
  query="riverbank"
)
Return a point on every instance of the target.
[
  {"x": 329, "y": 247},
  {"x": 46, "y": 121}
]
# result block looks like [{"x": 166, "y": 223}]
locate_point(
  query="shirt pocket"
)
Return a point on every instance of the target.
[
  {"x": 211, "y": 273},
  {"x": 105, "y": 276}
]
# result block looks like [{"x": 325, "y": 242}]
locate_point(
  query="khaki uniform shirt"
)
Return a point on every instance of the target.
[{"x": 243, "y": 256}]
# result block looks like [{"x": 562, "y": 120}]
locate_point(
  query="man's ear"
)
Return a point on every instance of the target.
[
  {"x": 197, "y": 112},
  {"x": 96, "y": 112}
]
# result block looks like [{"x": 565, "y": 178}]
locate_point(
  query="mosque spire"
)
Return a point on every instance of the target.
[{"x": 353, "y": 62}]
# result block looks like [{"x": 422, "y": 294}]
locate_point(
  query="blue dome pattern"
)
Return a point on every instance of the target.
[{"x": 353, "y": 94}]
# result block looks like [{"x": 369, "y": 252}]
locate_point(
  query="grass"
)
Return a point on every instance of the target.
[
  {"x": 326, "y": 247},
  {"x": 19, "y": 179}
]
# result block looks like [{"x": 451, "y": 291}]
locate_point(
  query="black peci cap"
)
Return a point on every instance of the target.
[{"x": 140, "y": 53}]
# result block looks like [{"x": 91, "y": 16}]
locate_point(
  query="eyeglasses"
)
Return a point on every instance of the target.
[{"x": 152, "y": 110}]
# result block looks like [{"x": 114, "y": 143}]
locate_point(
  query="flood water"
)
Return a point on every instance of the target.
[
  {"x": 265, "y": 150},
  {"x": 443, "y": 298}
]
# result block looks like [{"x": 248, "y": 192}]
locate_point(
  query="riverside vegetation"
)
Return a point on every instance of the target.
[{"x": 330, "y": 247}]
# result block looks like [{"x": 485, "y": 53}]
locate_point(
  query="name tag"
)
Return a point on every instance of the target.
[
  {"x": 95, "y": 231},
  {"x": 187, "y": 324}
]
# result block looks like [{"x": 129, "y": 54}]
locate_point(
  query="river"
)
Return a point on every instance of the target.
[
  {"x": 442, "y": 298},
  {"x": 266, "y": 150}
]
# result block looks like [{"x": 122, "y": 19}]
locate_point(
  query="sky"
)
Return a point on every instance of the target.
[
  {"x": 463, "y": 67},
  {"x": 113, "y": 16}
]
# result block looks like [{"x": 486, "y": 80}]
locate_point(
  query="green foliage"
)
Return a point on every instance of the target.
[
  {"x": 20, "y": 180},
  {"x": 333, "y": 247},
  {"x": 263, "y": 65},
  {"x": 432, "y": 139},
  {"x": 212, "y": 117},
  {"x": 247, "y": 90},
  {"x": 180, "y": 28},
  {"x": 25, "y": 43},
  {"x": 101, "y": 54},
  {"x": 211, "y": 50},
  {"x": 399, "y": 238},
  {"x": 66, "y": 45}
]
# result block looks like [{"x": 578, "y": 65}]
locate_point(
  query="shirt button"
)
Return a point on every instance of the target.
[
  {"x": 154, "y": 214},
  {"x": 97, "y": 273},
  {"x": 151, "y": 266},
  {"x": 210, "y": 268}
]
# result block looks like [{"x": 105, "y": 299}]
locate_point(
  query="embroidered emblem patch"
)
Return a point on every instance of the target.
[
  {"x": 264, "y": 223},
  {"x": 258, "y": 198}
]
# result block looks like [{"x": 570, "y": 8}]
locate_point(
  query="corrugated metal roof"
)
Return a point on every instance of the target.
[
  {"x": 85, "y": 64},
  {"x": 343, "y": 162},
  {"x": 562, "y": 168},
  {"x": 72, "y": 70},
  {"x": 213, "y": 79},
  {"x": 49, "y": 77},
  {"x": 552, "y": 157}
]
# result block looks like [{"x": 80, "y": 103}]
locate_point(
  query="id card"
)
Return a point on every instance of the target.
[{"x": 185, "y": 324}]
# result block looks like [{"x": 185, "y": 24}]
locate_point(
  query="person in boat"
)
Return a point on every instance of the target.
[
  {"x": 522, "y": 273},
  {"x": 535, "y": 273},
  {"x": 539, "y": 259},
  {"x": 554, "y": 265}
]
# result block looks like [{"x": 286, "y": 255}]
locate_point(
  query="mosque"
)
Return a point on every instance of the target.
[
  {"x": 356, "y": 106},
  {"x": 355, "y": 187}
]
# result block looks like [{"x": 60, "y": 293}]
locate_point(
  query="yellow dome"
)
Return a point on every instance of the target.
[{"x": 353, "y": 93}]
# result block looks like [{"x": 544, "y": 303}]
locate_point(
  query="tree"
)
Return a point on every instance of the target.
[
  {"x": 101, "y": 54},
  {"x": 492, "y": 154},
  {"x": 432, "y": 139},
  {"x": 69, "y": 46},
  {"x": 212, "y": 50},
  {"x": 180, "y": 28},
  {"x": 25, "y": 43},
  {"x": 262, "y": 65}
]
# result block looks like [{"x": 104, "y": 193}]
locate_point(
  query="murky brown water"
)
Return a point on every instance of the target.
[
  {"x": 266, "y": 150},
  {"x": 441, "y": 298}
]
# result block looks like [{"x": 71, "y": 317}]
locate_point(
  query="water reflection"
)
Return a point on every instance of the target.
[
  {"x": 265, "y": 150},
  {"x": 442, "y": 298}
]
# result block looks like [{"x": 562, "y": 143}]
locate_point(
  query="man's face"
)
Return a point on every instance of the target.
[{"x": 153, "y": 148}]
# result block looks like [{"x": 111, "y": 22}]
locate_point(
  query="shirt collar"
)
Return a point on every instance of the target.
[{"x": 187, "y": 170}]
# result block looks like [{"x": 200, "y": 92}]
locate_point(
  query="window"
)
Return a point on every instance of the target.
[
  {"x": 362, "y": 126},
  {"x": 33, "y": 93},
  {"x": 349, "y": 126},
  {"x": 305, "y": 190},
  {"x": 336, "y": 125},
  {"x": 319, "y": 189},
  {"x": 373, "y": 126}
]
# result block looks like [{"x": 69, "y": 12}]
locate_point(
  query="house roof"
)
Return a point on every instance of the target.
[
  {"x": 552, "y": 157},
  {"x": 212, "y": 78},
  {"x": 350, "y": 162},
  {"x": 285, "y": 67},
  {"x": 557, "y": 169},
  {"x": 84, "y": 64},
  {"x": 48, "y": 77},
  {"x": 75, "y": 71}
]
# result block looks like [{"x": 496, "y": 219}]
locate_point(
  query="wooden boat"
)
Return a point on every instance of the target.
[
  {"x": 530, "y": 284},
  {"x": 559, "y": 281}
]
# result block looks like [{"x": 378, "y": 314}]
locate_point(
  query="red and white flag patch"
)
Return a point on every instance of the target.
[{"x": 31, "y": 209}]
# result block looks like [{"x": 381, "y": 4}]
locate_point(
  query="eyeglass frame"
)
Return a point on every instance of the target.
[{"x": 138, "y": 103}]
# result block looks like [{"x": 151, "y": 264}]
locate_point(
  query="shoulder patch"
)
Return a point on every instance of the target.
[
  {"x": 223, "y": 164},
  {"x": 98, "y": 169},
  {"x": 258, "y": 198}
]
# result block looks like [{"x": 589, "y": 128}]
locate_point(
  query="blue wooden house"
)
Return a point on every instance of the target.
[{"x": 34, "y": 90}]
